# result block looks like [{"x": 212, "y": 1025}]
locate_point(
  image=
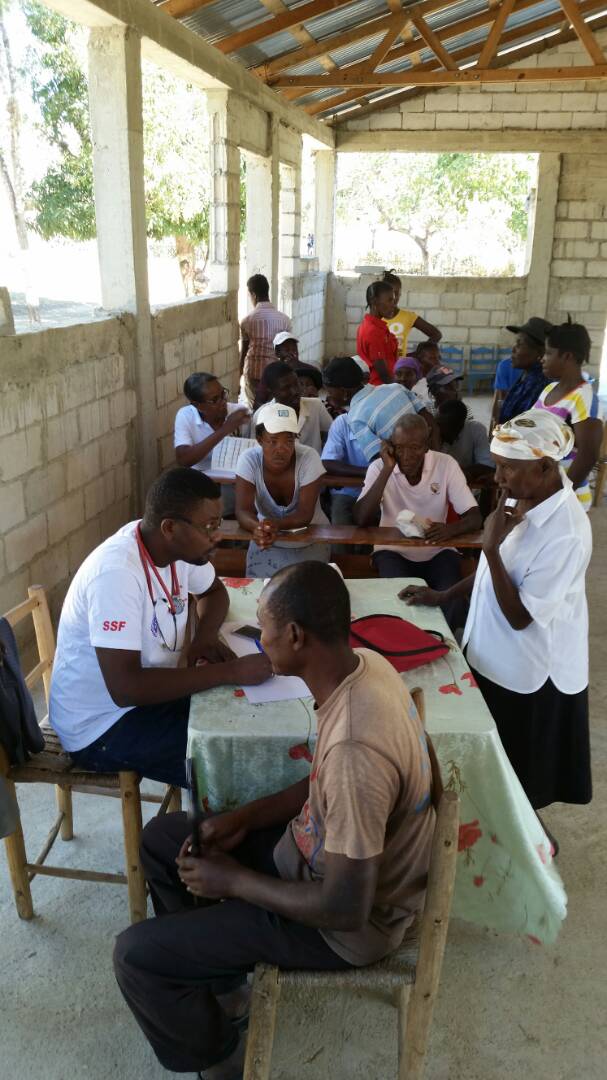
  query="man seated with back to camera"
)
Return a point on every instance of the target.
[
  {"x": 118, "y": 699},
  {"x": 326, "y": 874},
  {"x": 409, "y": 476}
]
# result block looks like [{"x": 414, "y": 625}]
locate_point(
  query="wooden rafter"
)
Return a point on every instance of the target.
[
  {"x": 583, "y": 31},
  {"x": 348, "y": 37},
  {"x": 385, "y": 45},
  {"x": 490, "y": 47},
  {"x": 433, "y": 42},
  {"x": 179, "y": 8},
  {"x": 533, "y": 49},
  {"x": 277, "y": 7},
  {"x": 289, "y": 18},
  {"x": 473, "y": 22},
  {"x": 473, "y": 76}
]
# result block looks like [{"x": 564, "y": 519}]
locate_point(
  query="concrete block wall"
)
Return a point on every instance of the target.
[
  {"x": 308, "y": 312},
  {"x": 578, "y": 269},
  {"x": 201, "y": 335},
  {"x": 562, "y": 106},
  {"x": 67, "y": 451},
  {"x": 469, "y": 311}
]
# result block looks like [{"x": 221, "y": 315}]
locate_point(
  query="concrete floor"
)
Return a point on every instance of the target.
[{"x": 507, "y": 1008}]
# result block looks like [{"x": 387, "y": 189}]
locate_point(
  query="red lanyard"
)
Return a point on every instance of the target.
[{"x": 147, "y": 562}]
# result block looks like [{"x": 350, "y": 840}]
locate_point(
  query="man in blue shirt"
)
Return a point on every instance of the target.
[{"x": 527, "y": 354}]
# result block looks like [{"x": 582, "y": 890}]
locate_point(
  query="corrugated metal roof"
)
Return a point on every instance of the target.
[{"x": 226, "y": 17}]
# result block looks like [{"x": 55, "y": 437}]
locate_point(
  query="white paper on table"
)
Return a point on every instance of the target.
[{"x": 278, "y": 688}]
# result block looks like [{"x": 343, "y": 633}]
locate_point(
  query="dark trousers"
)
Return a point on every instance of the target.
[
  {"x": 170, "y": 968},
  {"x": 440, "y": 573},
  {"x": 150, "y": 740}
]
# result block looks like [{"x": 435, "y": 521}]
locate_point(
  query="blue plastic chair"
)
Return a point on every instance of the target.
[
  {"x": 453, "y": 357},
  {"x": 481, "y": 365}
]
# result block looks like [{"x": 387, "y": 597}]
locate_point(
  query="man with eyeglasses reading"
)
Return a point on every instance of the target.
[
  {"x": 118, "y": 698},
  {"x": 204, "y": 423}
]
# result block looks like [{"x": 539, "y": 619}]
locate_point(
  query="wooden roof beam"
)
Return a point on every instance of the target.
[
  {"x": 180, "y": 8},
  {"x": 347, "y": 37},
  {"x": 471, "y": 77},
  {"x": 490, "y": 47},
  {"x": 291, "y": 17},
  {"x": 473, "y": 22},
  {"x": 525, "y": 50},
  {"x": 385, "y": 45},
  {"x": 433, "y": 42},
  {"x": 584, "y": 33}
]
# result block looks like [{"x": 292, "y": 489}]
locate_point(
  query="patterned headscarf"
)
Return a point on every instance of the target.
[{"x": 531, "y": 435}]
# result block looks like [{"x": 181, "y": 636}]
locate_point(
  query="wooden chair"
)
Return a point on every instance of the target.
[
  {"x": 412, "y": 972},
  {"x": 54, "y": 766},
  {"x": 453, "y": 357},
  {"x": 601, "y": 471}
]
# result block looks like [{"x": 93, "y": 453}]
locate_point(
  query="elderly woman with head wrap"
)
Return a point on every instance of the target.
[{"x": 527, "y": 628}]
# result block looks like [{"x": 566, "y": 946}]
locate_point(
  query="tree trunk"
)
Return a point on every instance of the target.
[
  {"x": 186, "y": 257},
  {"x": 13, "y": 177}
]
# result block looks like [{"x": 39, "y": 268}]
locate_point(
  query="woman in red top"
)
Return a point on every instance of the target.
[{"x": 374, "y": 342}]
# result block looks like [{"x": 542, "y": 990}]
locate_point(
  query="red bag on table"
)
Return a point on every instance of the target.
[{"x": 402, "y": 643}]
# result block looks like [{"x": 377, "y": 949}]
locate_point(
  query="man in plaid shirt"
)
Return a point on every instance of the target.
[{"x": 258, "y": 330}]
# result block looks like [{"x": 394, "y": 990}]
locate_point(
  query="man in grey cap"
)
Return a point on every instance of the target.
[{"x": 527, "y": 353}]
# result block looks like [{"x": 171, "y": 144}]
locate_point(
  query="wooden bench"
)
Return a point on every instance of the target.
[
  {"x": 231, "y": 562},
  {"x": 54, "y": 766}
]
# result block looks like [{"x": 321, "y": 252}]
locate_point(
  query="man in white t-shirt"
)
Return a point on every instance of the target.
[
  {"x": 204, "y": 424},
  {"x": 409, "y": 476},
  {"x": 118, "y": 699},
  {"x": 313, "y": 418}
]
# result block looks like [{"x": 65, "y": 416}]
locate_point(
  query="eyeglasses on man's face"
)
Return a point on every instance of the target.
[
  {"x": 223, "y": 396},
  {"x": 205, "y": 530}
]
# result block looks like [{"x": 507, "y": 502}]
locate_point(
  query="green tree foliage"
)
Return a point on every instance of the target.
[
  {"x": 423, "y": 195},
  {"x": 175, "y": 140}
]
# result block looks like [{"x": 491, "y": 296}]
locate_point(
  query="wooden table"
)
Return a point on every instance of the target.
[
  {"x": 506, "y": 879},
  {"x": 350, "y": 534},
  {"x": 326, "y": 481}
]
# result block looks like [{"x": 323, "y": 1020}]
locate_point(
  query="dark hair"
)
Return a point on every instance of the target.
[
  {"x": 454, "y": 409},
  {"x": 274, "y": 372},
  {"x": 313, "y": 374},
  {"x": 570, "y": 337},
  {"x": 313, "y": 595},
  {"x": 392, "y": 278},
  {"x": 259, "y": 286},
  {"x": 196, "y": 384},
  {"x": 423, "y": 345},
  {"x": 375, "y": 290},
  {"x": 342, "y": 371},
  {"x": 175, "y": 492}
]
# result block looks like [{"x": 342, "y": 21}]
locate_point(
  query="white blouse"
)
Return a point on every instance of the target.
[{"x": 546, "y": 557}]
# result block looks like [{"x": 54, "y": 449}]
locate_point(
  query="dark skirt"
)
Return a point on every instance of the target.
[{"x": 546, "y": 738}]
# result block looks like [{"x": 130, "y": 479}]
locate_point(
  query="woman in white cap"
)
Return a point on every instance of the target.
[
  {"x": 277, "y": 491},
  {"x": 527, "y": 628}
]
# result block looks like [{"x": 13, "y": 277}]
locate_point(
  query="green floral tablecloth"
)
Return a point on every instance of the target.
[{"x": 506, "y": 879}]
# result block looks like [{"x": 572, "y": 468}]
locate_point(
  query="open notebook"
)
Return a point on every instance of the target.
[{"x": 226, "y": 454}]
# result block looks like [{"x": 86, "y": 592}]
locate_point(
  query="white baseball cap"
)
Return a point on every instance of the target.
[
  {"x": 284, "y": 335},
  {"x": 276, "y": 418}
]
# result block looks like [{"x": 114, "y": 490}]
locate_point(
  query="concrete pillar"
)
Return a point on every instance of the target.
[
  {"x": 275, "y": 168},
  {"x": 117, "y": 134},
  {"x": 259, "y": 216},
  {"x": 290, "y": 231},
  {"x": 224, "y": 238},
  {"x": 541, "y": 227},
  {"x": 325, "y": 161}
]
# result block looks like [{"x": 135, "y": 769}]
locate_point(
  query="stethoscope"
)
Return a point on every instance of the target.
[{"x": 173, "y": 599}]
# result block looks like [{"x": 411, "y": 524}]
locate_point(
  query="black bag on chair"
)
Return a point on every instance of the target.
[{"x": 20, "y": 734}]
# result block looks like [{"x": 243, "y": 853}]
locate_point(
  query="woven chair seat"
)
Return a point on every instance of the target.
[
  {"x": 53, "y": 765},
  {"x": 394, "y": 970}
]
